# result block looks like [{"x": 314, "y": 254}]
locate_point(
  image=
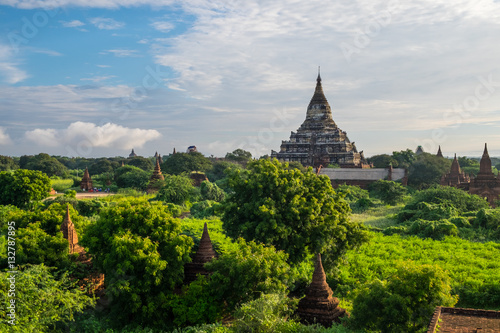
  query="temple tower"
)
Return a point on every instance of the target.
[
  {"x": 439, "y": 153},
  {"x": 485, "y": 184},
  {"x": 86, "y": 183},
  {"x": 204, "y": 254},
  {"x": 132, "y": 154},
  {"x": 155, "y": 177},
  {"x": 319, "y": 141},
  {"x": 456, "y": 177},
  {"x": 69, "y": 232},
  {"x": 318, "y": 306}
]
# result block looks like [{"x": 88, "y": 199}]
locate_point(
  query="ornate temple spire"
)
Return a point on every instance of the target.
[
  {"x": 440, "y": 154},
  {"x": 318, "y": 305},
  {"x": 485, "y": 164},
  {"x": 157, "y": 175},
  {"x": 204, "y": 254},
  {"x": 455, "y": 167},
  {"x": 86, "y": 183},
  {"x": 69, "y": 232}
]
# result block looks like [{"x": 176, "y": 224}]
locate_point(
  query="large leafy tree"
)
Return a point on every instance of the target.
[
  {"x": 186, "y": 162},
  {"x": 405, "y": 302},
  {"x": 427, "y": 170},
  {"x": 297, "y": 212},
  {"x": 43, "y": 303},
  {"x": 131, "y": 176},
  {"x": 22, "y": 187},
  {"x": 239, "y": 155},
  {"x": 138, "y": 246},
  {"x": 176, "y": 189},
  {"x": 7, "y": 163}
]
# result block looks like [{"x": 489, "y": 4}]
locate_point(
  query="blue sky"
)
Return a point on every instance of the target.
[{"x": 100, "y": 77}]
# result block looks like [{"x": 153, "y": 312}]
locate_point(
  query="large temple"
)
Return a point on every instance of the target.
[{"x": 319, "y": 141}]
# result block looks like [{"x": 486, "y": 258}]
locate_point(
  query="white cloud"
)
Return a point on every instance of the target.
[
  {"x": 122, "y": 53},
  {"x": 103, "y": 66},
  {"x": 72, "y": 24},
  {"x": 9, "y": 66},
  {"x": 106, "y": 23},
  {"x": 163, "y": 26},
  {"x": 97, "y": 79},
  {"x": 4, "y": 137},
  {"x": 91, "y": 135}
]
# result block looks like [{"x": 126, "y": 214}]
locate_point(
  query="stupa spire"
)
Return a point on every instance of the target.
[
  {"x": 485, "y": 163},
  {"x": 439, "y": 153},
  {"x": 69, "y": 232},
  {"x": 318, "y": 305},
  {"x": 204, "y": 254}
]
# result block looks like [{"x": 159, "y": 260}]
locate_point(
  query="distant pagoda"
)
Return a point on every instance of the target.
[
  {"x": 439, "y": 153},
  {"x": 319, "y": 141},
  {"x": 318, "y": 306},
  {"x": 156, "y": 177},
  {"x": 86, "y": 183},
  {"x": 485, "y": 184},
  {"x": 456, "y": 177},
  {"x": 132, "y": 154},
  {"x": 204, "y": 254}
]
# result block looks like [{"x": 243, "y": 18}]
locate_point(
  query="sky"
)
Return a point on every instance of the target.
[{"x": 99, "y": 77}]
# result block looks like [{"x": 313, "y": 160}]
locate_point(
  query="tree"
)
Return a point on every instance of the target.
[
  {"x": 405, "y": 302},
  {"x": 101, "y": 165},
  {"x": 141, "y": 162},
  {"x": 138, "y": 246},
  {"x": 176, "y": 189},
  {"x": 427, "y": 170},
  {"x": 297, "y": 212},
  {"x": 239, "y": 155},
  {"x": 383, "y": 161},
  {"x": 404, "y": 158},
  {"x": 7, "y": 163},
  {"x": 210, "y": 191},
  {"x": 45, "y": 163},
  {"x": 391, "y": 193},
  {"x": 131, "y": 176},
  {"x": 186, "y": 162},
  {"x": 43, "y": 303},
  {"x": 219, "y": 170},
  {"x": 22, "y": 187}
]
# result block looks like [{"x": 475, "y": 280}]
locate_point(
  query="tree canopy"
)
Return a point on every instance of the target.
[
  {"x": 21, "y": 187},
  {"x": 186, "y": 162},
  {"x": 297, "y": 212},
  {"x": 138, "y": 246},
  {"x": 427, "y": 170}
]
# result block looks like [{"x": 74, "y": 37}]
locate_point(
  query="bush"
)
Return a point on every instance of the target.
[
  {"x": 488, "y": 219},
  {"x": 405, "y": 302},
  {"x": 210, "y": 191},
  {"x": 207, "y": 208},
  {"x": 177, "y": 190},
  {"x": 433, "y": 229},
  {"x": 389, "y": 192}
]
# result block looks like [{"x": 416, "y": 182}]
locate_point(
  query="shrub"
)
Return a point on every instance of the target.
[
  {"x": 433, "y": 229},
  {"x": 389, "y": 192}
]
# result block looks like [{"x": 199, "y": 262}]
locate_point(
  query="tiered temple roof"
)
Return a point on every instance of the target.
[
  {"x": 86, "y": 183},
  {"x": 456, "y": 177},
  {"x": 439, "y": 153},
  {"x": 319, "y": 141},
  {"x": 155, "y": 177},
  {"x": 485, "y": 184},
  {"x": 204, "y": 254},
  {"x": 318, "y": 306}
]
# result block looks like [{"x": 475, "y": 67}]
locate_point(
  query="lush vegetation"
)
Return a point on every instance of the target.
[{"x": 388, "y": 250}]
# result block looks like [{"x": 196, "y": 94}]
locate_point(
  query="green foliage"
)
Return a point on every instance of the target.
[
  {"x": 488, "y": 218},
  {"x": 357, "y": 198},
  {"x": 405, "y": 302},
  {"x": 7, "y": 163},
  {"x": 296, "y": 212},
  {"x": 22, "y": 187},
  {"x": 60, "y": 185},
  {"x": 207, "y": 208},
  {"x": 194, "y": 228},
  {"x": 427, "y": 170},
  {"x": 383, "y": 161},
  {"x": 44, "y": 163},
  {"x": 186, "y": 162},
  {"x": 102, "y": 165},
  {"x": 268, "y": 313},
  {"x": 138, "y": 246},
  {"x": 210, "y": 191},
  {"x": 131, "y": 176},
  {"x": 473, "y": 267},
  {"x": 246, "y": 270},
  {"x": 433, "y": 229},
  {"x": 177, "y": 189},
  {"x": 43, "y": 303},
  {"x": 389, "y": 192},
  {"x": 220, "y": 169},
  {"x": 141, "y": 162},
  {"x": 441, "y": 202},
  {"x": 404, "y": 158},
  {"x": 239, "y": 155}
]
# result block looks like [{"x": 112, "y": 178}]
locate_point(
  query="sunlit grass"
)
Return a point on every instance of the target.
[{"x": 380, "y": 216}]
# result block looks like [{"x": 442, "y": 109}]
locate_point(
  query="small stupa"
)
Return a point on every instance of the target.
[
  {"x": 204, "y": 254},
  {"x": 439, "y": 153},
  {"x": 318, "y": 306},
  {"x": 86, "y": 183},
  {"x": 69, "y": 233}
]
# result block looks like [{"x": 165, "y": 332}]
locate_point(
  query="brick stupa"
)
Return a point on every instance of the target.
[
  {"x": 204, "y": 254},
  {"x": 86, "y": 183},
  {"x": 318, "y": 306},
  {"x": 155, "y": 178},
  {"x": 69, "y": 233},
  {"x": 485, "y": 184},
  {"x": 456, "y": 177}
]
